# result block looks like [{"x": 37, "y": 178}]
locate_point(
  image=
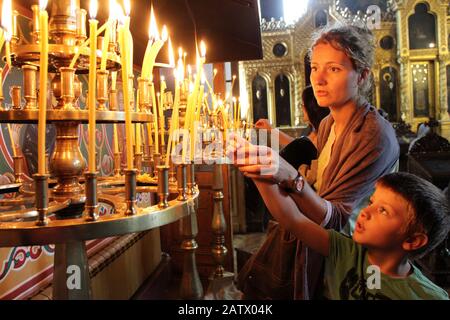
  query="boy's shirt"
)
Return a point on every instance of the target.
[{"x": 343, "y": 279}]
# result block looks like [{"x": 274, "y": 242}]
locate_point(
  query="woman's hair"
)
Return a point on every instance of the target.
[
  {"x": 312, "y": 108},
  {"x": 357, "y": 43}
]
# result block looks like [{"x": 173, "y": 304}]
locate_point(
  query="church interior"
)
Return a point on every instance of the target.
[{"x": 93, "y": 206}]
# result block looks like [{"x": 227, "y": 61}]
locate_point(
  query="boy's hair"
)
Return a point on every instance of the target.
[
  {"x": 430, "y": 208},
  {"x": 315, "y": 112},
  {"x": 356, "y": 42}
]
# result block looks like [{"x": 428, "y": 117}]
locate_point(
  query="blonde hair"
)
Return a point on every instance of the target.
[{"x": 357, "y": 43}]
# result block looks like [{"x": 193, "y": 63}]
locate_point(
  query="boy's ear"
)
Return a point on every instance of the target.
[
  {"x": 363, "y": 76},
  {"x": 415, "y": 241}
]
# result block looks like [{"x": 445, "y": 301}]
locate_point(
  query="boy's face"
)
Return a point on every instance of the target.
[{"x": 382, "y": 224}]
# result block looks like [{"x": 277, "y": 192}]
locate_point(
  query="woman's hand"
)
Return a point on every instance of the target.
[
  {"x": 259, "y": 162},
  {"x": 263, "y": 124}
]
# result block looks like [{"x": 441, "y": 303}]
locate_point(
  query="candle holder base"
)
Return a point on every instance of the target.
[
  {"x": 41, "y": 187},
  {"x": 163, "y": 186},
  {"x": 130, "y": 192},
  {"x": 91, "y": 206}
]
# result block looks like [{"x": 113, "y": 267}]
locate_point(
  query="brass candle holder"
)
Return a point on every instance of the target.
[
  {"x": 68, "y": 88},
  {"x": 181, "y": 182},
  {"x": 156, "y": 163},
  {"x": 172, "y": 171},
  {"x": 102, "y": 89},
  {"x": 117, "y": 161},
  {"x": 191, "y": 179},
  {"x": 130, "y": 192},
  {"x": 163, "y": 186},
  {"x": 91, "y": 205},
  {"x": 113, "y": 100},
  {"x": 16, "y": 97},
  {"x": 18, "y": 169},
  {"x": 81, "y": 26},
  {"x": 138, "y": 161},
  {"x": 41, "y": 188},
  {"x": 29, "y": 87}
]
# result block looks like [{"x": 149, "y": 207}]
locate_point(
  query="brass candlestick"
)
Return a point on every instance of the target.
[
  {"x": 113, "y": 100},
  {"x": 156, "y": 163},
  {"x": 130, "y": 192},
  {"x": 181, "y": 182},
  {"x": 67, "y": 88},
  {"x": 117, "y": 161},
  {"x": 41, "y": 187},
  {"x": 163, "y": 186},
  {"x": 191, "y": 179},
  {"x": 138, "y": 161},
  {"x": 16, "y": 97},
  {"x": 29, "y": 87},
  {"x": 91, "y": 206},
  {"x": 18, "y": 168},
  {"x": 102, "y": 89}
]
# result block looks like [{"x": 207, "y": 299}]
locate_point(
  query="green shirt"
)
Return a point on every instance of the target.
[{"x": 343, "y": 280}]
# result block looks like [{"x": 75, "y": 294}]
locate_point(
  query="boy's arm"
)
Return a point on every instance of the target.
[{"x": 286, "y": 212}]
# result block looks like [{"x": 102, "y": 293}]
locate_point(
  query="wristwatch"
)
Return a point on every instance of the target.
[{"x": 296, "y": 185}]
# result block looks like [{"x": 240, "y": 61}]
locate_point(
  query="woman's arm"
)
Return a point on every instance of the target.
[
  {"x": 286, "y": 212},
  {"x": 284, "y": 139}
]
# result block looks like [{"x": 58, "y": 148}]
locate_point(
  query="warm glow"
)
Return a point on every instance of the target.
[
  {"x": 42, "y": 4},
  {"x": 163, "y": 78},
  {"x": 93, "y": 8},
  {"x": 202, "y": 49},
  {"x": 165, "y": 33},
  {"x": 153, "y": 32},
  {"x": 127, "y": 6},
  {"x": 189, "y": 69},
  {"x": 171, "y": 55},
  {"x": 7, "y": 18},
  {"x": 203, "y": 78},
  {"x": 112, "y": 10},
  {"x": 294, "y": 10},
  {"x": 180, "y": 52}
]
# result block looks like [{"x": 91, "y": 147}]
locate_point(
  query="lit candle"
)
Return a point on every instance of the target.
[
  {"x": 93, "y": 23},
  {"x": 2, "y": 39},
  {"x": 174, "y": 121},
  {"x": 154, "y": 45},
  {"x": 43, "y": 72},
  {"x": 7, "y": 25},
  {"x": 123, "y": 35},
  {"x": 105, "y": 46},
  {"x": 129, "y": 37},
  {"x": 155, "y": 115}
]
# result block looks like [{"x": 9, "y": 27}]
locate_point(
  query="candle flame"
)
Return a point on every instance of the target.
[
  {"x": 112, "y": 10},
  {"x": 119, "y": 14},
  {"x": 203, "y": 78},
  {"x": 127, "y": 5},
  {"x": 42, "y": 5},
  {"x": 153, "y": 32},
  {"x": 93, "y": 8},
  {"x": 202, "y": 49},
  {"x": 180, "y": 52},
  {"x": 163, "y": 78},
  {"x": 165, "y": 33},
  {"x": 171, "y": 55},
  {"x": 7, "y": 18},
  {"x": 189, "y": 69}
]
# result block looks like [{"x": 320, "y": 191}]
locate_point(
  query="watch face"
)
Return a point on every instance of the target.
[{"x": 299, "y": 184}]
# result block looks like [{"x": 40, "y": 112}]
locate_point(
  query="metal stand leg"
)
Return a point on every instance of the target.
[
  {"x": 71, "y": 279},
  {"x": 220, "y": 278},
  {"x": 191, "y": 286}
]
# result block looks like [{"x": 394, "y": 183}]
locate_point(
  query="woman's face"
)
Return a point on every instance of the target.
[{"x": 333, "y": 78}]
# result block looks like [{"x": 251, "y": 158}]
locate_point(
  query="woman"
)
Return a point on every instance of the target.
[{"x": 356, "y": 147}]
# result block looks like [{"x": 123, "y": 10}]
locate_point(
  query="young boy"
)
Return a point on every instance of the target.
[{"x": 406, "y": 218}]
